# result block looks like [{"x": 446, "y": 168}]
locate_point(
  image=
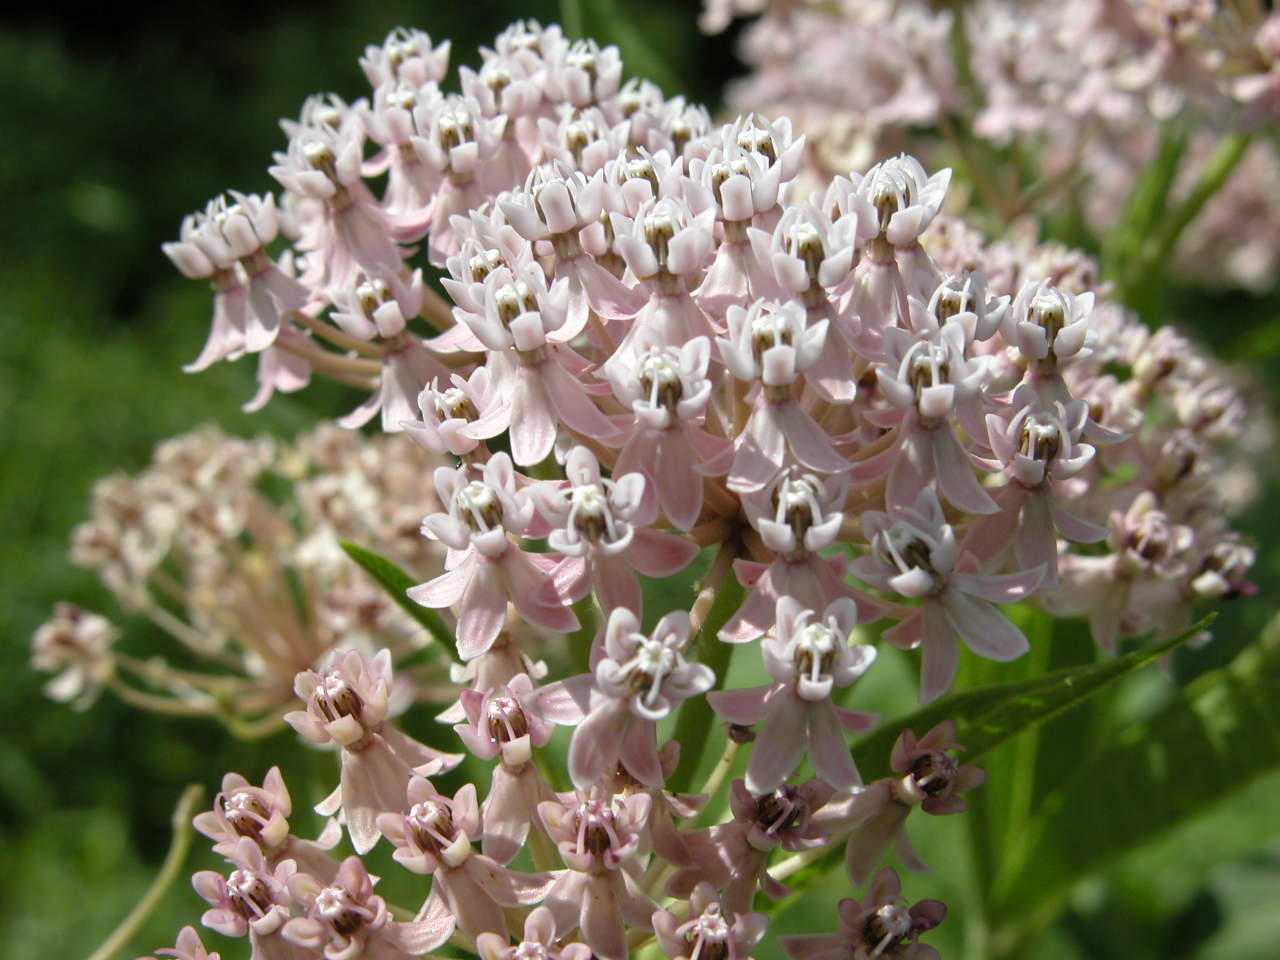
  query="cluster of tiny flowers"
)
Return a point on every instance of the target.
[
  {"x": 1091, "y": 84},
  {"x": 231, "y": 548},
  {"x": 657, "y": 345}
]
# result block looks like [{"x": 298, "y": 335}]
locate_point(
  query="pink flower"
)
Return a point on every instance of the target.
[
  {"x": 261, "y": 814},
  {"x": 601, "y": 527},
  {"x": 539, "y": 942},
  {"x": 666, "y": 247},
  {"x": 915, "y": 555},
  {"x": 372, "y": 307},
  {"x": 807, "y": 657},
  {"x": 770, "y": 345},
  {"x": 526, "y": 328},
  {"x": 706, "y": 932},
  {"x": 1150, "y": 551},
  {"x": 503, "y": 724},
  {"x": 667, "y": 390},
  {"x": 187, "y": 947},
  {"x": 883, "y": 928},
  {"x": 732, "y": 857},
  {"x": 875, "y": 819},
  {"x": 346, "y": 919},
  {"x": 406, "y": 56},
  {"x": 347, "y": 705},
  {"x": 929, "y": 379},
  {"x": 252, "y": 900},
  {"x": 1040, "y": 449},
  {"x": 77, "y": 643},
  {"x": 639, "y": 681},
  {"x": 556, "y": 209},
  {"x": 598, "y": 839},
  {"x": 434, "y": 837},
  {"x": 485, "y": 569},
  {"x": 797, "y": 516}
]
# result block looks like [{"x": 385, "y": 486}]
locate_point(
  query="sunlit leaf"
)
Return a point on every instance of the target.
[
  {"x": 1215, "y": 736},
  {"x": 395, "y": 581}
]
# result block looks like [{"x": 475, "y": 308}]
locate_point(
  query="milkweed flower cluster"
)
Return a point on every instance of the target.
[
  {"x": 231, "y": 548},
  {"x": 1093, "y": 92},
  {"x": 657, "y": 344}
]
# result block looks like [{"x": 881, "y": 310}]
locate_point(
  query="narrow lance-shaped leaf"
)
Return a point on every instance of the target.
[
  {"x": 986, "y": 717},
  {"x": 395, "y": 581},
  {"x": 1214, "y": 737}
]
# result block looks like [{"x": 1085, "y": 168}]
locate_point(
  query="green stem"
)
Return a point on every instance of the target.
[
  {"x": 580, "y": 641},
  {"x": 169, "y": 870},
  {"x": 1215, "y": 173},
  {"x": 720, "y": 596}
]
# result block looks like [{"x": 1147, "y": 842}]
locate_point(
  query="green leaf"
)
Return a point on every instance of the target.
[
  {"x": 1216, "y": 735},
  {"x": 396, "y": 582},
  {"x": 988, "y": 716}
]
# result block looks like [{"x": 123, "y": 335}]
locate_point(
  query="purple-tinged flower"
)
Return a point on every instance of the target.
[
  {"x": 742, "y": 186},
  {"x": 261, "y": 813},
  {"x": 904, "y": 197},
  {"x": 405, "y": 56},
  {"x": 467, "y": 152},
  {"x": 373, "y": 307},
  {"x": 638, "y": 682},
  {"x": 346, "y": 919},
  {"x": 556, "y": 210},
  {"x": 526, "y": 328},
  {"x": 539, "y": 942},
  {"x": 459, "y": 418},
  {"x": 581, "y": 140},
  {"x": 1149, "y": 551},
  {"x": 707, "y": 933},
  {"x": 807, "y": 657},
  {"x": 485, "y": 569},
  {"x": 962, "y": 298},
  {"x": 732, "y": 856},
  {"x": 901, "y": 200},
  {"x": 598, "y": 839},
  {"x": 502, "y": 723},
  {"x": 1040, "y": 449},
  {"x": 601, "y": 527},
  {"x": 1050, "y": 327},
  {"x": 809, "y": 255},
  {"x": 347, "y": 705},
  {"x": 914, "y": 554},
  {"x": 933, "y": 385},
  {"x": 797, "y": 516},
  {"x": 186, "y": 947},
  {"x": 253, "y": 900},
  {"x": 434, "y": 837},
  {"x": 77, "y": 643},
  {"x": 583, "y": 74},
  {"x": 884, "y": 929},
  {"x": 667, "y": 390},
  {"x": 323, "y": 163},
  {"x": 666, "y": 248},
  {"x": 875, "y": 819},
  {"x": 770, "y": 346},
  {"x": 281, "y": 369},
  {"x": 227, "y": 241}
]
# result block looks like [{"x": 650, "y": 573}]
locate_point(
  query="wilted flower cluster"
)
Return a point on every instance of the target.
[
  {"x": 231, "y": 548},
  {"x": 1092, "y": 92},
  {"x": 654, "y": 344}
]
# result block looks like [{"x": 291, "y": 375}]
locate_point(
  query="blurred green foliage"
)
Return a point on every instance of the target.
[{"x": 115, "y": 130}]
